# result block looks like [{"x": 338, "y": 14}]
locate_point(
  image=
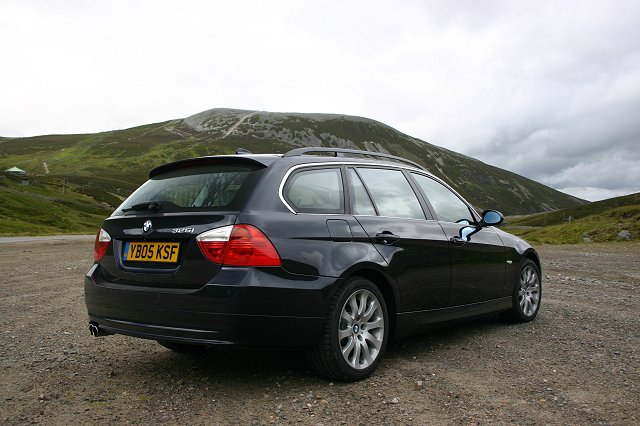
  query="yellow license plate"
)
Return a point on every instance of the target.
[{"x": 151, "y": 252}]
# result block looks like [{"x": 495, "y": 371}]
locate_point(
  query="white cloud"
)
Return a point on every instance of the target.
[{"x": 597, "y": 194}]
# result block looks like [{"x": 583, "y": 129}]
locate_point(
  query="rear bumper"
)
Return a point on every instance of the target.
[{"x": 264, "y": 307}]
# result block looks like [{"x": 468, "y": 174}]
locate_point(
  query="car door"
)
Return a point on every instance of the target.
[
  {"x": 415, "y": 246},
  {"x": 478, "y": 266}
]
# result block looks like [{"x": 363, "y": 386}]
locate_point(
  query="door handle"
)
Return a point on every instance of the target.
[
  {"x": 457, "y": 241},
  {"x": 387, "y": 237}
]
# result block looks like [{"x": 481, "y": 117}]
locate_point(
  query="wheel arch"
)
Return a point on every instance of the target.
[
  {"x": 385, "y": 284},
  {"x": 533, "y": 256},
  {"x": 516, "y": 313}
]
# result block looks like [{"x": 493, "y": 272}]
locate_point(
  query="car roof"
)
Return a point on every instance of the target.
[{"x": 295, "y": 156}]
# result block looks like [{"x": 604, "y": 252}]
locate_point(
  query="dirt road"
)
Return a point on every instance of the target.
[{"x": 576, "y": 364}]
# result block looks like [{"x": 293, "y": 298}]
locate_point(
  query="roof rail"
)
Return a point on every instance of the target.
[{"x": 302, "y": 151}]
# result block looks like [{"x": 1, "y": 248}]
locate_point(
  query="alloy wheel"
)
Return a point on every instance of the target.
[
  {"x": 529, "y": 293},
  {"x": 361, "y": 329}
]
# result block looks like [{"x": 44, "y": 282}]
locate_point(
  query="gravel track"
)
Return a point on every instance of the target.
[{"x": 577, "y": 363}]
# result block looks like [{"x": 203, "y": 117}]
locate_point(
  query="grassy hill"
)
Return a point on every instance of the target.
[
  {"x": 599, "y": 221},
  {"x": 45, "y": 209},
  {"x": 105, "y": 167}
]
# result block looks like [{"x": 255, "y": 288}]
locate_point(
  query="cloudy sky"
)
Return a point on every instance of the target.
[{"x": 547, "y": 89}]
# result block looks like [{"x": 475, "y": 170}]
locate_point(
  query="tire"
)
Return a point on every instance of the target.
[
  {"x": 355, "y": 333},
  {"x": 527, "y": 293},
  {"x": 182, "y": 348}
]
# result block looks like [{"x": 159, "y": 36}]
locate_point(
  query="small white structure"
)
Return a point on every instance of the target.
[{"x": 15, "y": 171}]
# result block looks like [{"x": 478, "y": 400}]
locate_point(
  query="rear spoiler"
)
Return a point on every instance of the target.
[{"x": 256, "y": 160}]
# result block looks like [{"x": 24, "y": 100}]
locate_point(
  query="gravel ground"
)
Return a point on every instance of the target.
[{"x": 577, "y": 363}]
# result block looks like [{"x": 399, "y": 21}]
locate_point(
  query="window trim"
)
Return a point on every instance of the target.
[
  {"x": 286, "y": 182},
  {"x": 341, "y": 164}
]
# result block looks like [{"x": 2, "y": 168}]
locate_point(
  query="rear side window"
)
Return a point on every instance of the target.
[
  {"x": 391, "y": 193},
  {"x": 315, "y": 191},
  {"x": 207, "y": 188},
  {"x": 448, "y": 206},
  {"x": 362, "y": 204}
]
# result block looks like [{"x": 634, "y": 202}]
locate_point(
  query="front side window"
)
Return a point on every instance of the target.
[
  {"x": 391, "y": 193},
  {"x": 315, "y": 191},
  {"x": 448, "y": 207}
]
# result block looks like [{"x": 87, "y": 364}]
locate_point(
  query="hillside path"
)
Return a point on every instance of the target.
[{"x": 235, "y": 126}]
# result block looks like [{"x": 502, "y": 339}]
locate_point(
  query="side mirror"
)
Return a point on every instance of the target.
[{"x": 491, "y": 218}]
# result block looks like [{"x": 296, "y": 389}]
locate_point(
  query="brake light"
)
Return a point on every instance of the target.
[
  {"x": 102, "y": 243},
  {"x": 213, "y": 243},
  {"x": 238, "y": 245}
]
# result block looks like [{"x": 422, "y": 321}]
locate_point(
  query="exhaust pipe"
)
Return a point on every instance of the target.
[{"x": 96, "y": 331}]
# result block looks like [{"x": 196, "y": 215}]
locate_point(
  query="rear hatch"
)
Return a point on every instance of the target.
[{"x": 153, "y": 233}]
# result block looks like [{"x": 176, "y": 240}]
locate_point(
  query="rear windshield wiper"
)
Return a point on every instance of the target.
[{"x": 145, "y": 205}]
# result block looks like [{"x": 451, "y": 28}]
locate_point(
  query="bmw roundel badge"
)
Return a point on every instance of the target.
[{"x": 146, "y": 227}]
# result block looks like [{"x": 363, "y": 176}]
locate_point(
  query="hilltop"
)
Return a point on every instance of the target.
[{"x": 105, "y": 167}]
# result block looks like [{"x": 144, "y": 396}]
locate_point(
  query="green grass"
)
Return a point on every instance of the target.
[
  {"x": 600, "y": 222},
  {"x": 45, "y": 210}
]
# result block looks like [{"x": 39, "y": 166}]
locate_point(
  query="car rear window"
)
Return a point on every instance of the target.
[{"x": 202, "y": 188}]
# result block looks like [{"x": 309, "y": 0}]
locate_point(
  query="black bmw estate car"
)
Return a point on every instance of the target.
[{"x": 332, "y": 251}]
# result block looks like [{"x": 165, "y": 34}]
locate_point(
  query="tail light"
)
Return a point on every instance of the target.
[
  {"x": 102, "y": 243},
  {"x": 238, "y": 245}
]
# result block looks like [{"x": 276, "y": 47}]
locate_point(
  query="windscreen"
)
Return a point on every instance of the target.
[{"x": 202, "y": 188}]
